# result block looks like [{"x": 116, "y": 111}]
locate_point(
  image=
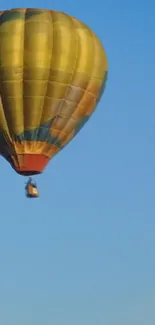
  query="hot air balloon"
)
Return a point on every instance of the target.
[{"x": 53, "y": 71}]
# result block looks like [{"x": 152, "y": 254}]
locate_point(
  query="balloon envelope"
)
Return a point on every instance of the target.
[{"x": 53, "y": 71}]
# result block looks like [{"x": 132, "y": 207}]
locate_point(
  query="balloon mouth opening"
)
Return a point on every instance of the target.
[
  {"x": 28, "y": 173},
  {"x": 29, "y": 164}
]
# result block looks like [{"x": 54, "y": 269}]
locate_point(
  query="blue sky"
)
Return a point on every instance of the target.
[{"x": 84, "y": 253}]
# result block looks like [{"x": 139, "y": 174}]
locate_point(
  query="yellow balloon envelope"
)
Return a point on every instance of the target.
[{"x": 53, "y": 71}]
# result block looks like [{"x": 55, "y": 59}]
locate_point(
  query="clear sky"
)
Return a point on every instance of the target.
[{"x": 84, "y": 253}]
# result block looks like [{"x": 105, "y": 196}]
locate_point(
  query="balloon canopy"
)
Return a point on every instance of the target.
[{"x": 53, "y": 70}]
